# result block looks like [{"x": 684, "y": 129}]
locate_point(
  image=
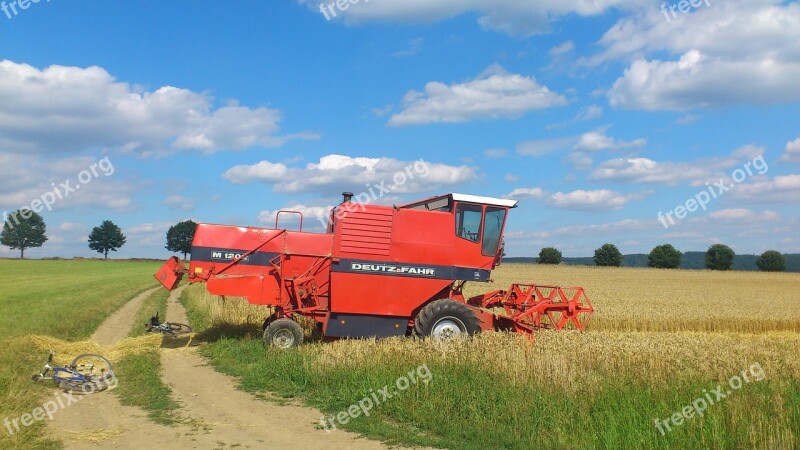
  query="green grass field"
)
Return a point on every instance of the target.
[{"x": 66, "y": 300}]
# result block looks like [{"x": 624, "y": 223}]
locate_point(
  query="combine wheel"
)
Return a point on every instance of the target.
[
  {"x": 283, "y": 333},
  {"x": 445, "y": 319}
]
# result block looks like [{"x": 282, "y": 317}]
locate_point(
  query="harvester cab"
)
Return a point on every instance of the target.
[{"x": 378, "y": 271}]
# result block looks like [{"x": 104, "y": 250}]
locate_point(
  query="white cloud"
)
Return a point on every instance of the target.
[
  {"x": 697, "y": 81},
  {"x": 513, "y": 17},
  {"x": 791, "y": 153},
  {"x": 579, "y": 200},
  {"x": 414, "y": 47},
  {"x": 781, "y": 189},
  {"x": 314, "y": 217},
  {"x": 180, "y": 202},
  {"x": 28, "y": 177},
  {"x": 147, "y": 234},
  {"x": 538, "y": 147},
  {"x": 597, "y": 140},
  {"x": 66, "y": 109},
  {"x": 586, "y": 113},
  {"x": 511, "y": 178},
  {"x": 560, "y": 49},
  {"x": 734, "y": 52},
  {"x": 380, "y": 112},
  {"x": 579, "y": 160},
  {"x": 495, "y": 152},
  {"x": 596, "y": 200},
  {"x": 739, "y": 214},
  {"x": 603, "y": 230},
  {"x": 524, "y": 193},
  {"x": 494, "y": 94},
  {"x": 645, "y": 170},
  {"x": 72, "y": 227},
  {"x": 687, "y": 119},
  {"x": 339, "y": 172}
]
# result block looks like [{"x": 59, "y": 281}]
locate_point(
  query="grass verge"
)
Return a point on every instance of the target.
[
  {"x": 62, "y": 299},
  {"x": 142, "y": 385}
]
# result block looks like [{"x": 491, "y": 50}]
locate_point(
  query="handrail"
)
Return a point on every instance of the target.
[{"x": 288, "y": 212}]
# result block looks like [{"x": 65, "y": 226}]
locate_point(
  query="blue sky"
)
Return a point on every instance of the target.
[{"x": 596, "y": 117}]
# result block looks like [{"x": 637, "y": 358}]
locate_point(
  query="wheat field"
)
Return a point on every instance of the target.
[{"x": 656, "y": 340}]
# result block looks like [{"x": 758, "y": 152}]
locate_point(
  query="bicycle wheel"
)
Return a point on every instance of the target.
[
  {"x": 97, "y": 373},
  {"x": 178, "y": 328}
]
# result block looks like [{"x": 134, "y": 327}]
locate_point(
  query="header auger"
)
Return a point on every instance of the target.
[{"x": 378, "y": 271}]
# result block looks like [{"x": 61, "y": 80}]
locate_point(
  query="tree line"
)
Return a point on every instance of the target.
[
  {"x": 29, "y": 231},
  {"x": 717, "y": 257}
]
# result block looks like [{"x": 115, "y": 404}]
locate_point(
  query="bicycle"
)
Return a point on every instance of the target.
[
  {"x": 168, "y": 328},
  {"x": 87, "y": 373}
]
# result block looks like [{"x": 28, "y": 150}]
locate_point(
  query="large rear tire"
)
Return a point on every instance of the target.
[
  {"x": 283, "y": 333},
  {"x": 445, "y": 319}
]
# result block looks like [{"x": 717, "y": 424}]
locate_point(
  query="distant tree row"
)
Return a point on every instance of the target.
[
  {"x": 26, "y": 229},
  {"x": 718, "y": 257}
]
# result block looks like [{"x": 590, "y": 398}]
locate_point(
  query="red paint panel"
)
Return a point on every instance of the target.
[{"x": 382, "y": 295}]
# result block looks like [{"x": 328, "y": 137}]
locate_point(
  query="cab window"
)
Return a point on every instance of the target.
[
  {"x": 468, "y": 221},
  {"x": 492, "y": 229}
]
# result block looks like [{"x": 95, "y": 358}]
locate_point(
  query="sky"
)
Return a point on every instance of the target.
[{"x": 632, "y": 122}]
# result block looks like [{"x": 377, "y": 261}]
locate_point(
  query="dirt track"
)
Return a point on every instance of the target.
[
  {"x": 220, "y": 415},
  {"x": 118, "y": 325}
]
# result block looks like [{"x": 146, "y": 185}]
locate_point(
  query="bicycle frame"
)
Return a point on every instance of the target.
[{"x": 58, "y": 378}]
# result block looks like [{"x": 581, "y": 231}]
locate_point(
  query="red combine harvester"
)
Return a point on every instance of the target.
[{"x": 378, "y": 271}]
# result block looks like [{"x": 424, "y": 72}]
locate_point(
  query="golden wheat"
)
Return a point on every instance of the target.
[{"x": 718, "y": 324}]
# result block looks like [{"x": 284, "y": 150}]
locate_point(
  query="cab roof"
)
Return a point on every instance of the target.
[{"x": 466, "y": 198}]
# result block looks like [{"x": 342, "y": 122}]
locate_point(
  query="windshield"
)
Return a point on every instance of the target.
[{"x": 492, "y": 228}]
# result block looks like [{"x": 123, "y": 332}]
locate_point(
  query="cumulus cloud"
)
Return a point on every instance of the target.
[
  {"x": 495, "y": 152},
  {"x": 598, "y": 140},
  {"x": 492, "y": 95},
  {"x": 314, "y": 217},
  {"x": 180, "y": 202},
  {"x": 781, "y": 189},
  {"x": 709, "y": 56},
  {"x": 25, "y": 178},
  {"x": 539, "y": 147},
  {"x": 579, "y": 200},
  {"x": 594, "y": 200},
  {"x": 335, "y": 172},
  {"x": 791, "y": 153},
  {"x": 561, "y": 49},
  {"x": 65, "y": 109},
  {"x": 601, "y": 229},
  {"x": 699, "y": 81},
  {"x": 645, "y": 170},
  {"x": 586, "y": 113},
  {"x": 738, "y": 214},
  {"x": 513, "y": 17},
  {"x": 524, "y": 193}
]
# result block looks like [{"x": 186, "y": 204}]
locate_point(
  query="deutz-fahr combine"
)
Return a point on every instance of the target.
[{"x": 378, "y": 271}]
